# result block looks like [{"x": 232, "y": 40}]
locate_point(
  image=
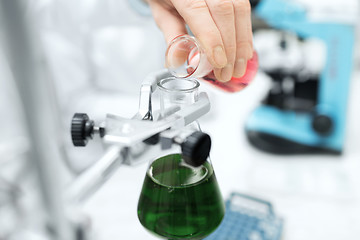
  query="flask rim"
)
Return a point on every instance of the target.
[
  {"x": 195, "y": 85},
  {"x": 182, "y": 37}
]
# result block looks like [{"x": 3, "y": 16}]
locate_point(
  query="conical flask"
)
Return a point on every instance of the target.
[
  {"x": 179, "y": 200},
  {"x": 185, "y": 58}
]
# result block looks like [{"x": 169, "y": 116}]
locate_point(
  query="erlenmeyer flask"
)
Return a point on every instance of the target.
[
  {"x": 179, "y": 200},
  {"x": 186, "y": 58}
]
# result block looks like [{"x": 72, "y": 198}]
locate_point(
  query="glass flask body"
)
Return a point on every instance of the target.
[
  {"x": 186, "y": 58},
  {"x": 180, "y": 201}
]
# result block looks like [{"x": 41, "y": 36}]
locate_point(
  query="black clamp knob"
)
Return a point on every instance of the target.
[
  {"x": 82, "y": 129},
  {"x": 322, "y": 124},
  {"x": 196, "y": 148}
]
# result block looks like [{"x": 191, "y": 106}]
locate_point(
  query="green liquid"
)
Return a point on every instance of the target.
[{"x": 178, "y": 201}]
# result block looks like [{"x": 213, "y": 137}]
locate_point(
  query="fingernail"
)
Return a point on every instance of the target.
[
  {"x": 240, "y": 68},
  {"x": 220, "y": 56},
  {"x": 226, "y": 73},
  {"x": 251, "y": 52}
]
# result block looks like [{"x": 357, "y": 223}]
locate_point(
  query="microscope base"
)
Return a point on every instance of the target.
[{"x": 278, "y": 145}]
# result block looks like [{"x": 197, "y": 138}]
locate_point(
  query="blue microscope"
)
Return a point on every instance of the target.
[{"x": 312, "y": 117}]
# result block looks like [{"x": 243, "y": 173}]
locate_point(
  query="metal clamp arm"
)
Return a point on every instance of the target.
[
  {"x": 148, "y": 86},
  {"x": 128, "y": 132},
  {"x": 94, "y": 177}
]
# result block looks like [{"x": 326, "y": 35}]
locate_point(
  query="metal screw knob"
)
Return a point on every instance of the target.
[
  {"x": 82, "y": 129},
  {"x": 196, "y": 148},
  {"x": 322, "y": 124}
]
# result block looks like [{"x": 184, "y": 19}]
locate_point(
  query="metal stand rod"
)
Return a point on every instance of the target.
[
  {"x": 40, "y": 116},
  {"x": 93, "y": 178}
]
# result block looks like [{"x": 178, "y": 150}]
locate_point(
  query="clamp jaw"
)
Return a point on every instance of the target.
[{"x": 148, "y": 127}]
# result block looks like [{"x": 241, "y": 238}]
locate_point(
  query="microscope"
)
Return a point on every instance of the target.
[{"x": 306, "y": 113}]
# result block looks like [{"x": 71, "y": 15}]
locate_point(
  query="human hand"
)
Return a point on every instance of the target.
[{"x": 223, "y": 28}]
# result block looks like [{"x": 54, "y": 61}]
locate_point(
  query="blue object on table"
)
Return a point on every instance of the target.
[{"x": 248, "y": 218}]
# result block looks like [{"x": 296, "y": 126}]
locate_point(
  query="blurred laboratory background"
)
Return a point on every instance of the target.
[{"x": 289, "y": 141}]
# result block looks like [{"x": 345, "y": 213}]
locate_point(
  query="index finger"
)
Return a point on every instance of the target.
[{"x": 197, "y": 16}]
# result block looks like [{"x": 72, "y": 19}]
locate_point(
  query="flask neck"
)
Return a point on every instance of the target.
[{"x": 177, "y": 92}]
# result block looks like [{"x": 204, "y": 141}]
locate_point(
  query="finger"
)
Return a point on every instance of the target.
[
  {"x": 222, "y": 12},
  {"x": 244, "y": 49},
  {"x": 217, "y": 73},
  {"x": 196, "y": 14},
  {"x": 169, "y": 22}
]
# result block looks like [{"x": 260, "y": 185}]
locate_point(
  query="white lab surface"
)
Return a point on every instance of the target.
[{"x": 98, "y": 66}]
